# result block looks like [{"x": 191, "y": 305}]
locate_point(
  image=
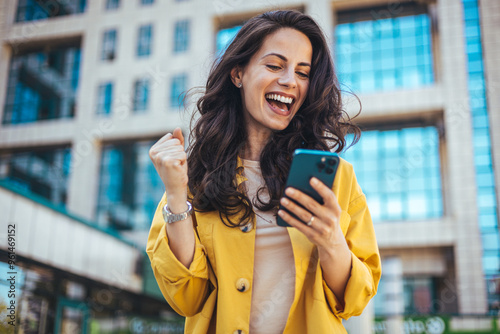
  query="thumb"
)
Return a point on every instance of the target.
[{"x": 178, "y": 134}]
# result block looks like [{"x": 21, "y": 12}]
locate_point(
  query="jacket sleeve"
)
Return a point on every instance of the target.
[
  {"x": 185, "y": 289},
  {"x": 365, "y": 268}
]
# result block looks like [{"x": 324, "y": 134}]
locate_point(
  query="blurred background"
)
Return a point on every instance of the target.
[{"x": 87, "y": 87}]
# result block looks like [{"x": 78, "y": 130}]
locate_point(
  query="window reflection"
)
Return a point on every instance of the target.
[
  {"x": 129, "y": 186},
  {"x": 399, "y": 171},
  {"x": 42, "y": 85},
  {"x": 385, "y": 54},
  {"x": 178, "y": 90},
  {"x": 30, "y": 10},
  {"x": 43, "y": 172}
]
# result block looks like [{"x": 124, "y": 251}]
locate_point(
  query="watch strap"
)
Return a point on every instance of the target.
[{"x": 171, "y": 217}]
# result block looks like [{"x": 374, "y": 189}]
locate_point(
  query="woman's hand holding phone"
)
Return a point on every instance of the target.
[
  {"x": 324, "y": 230},
  {"x": 309, "y": 204}
]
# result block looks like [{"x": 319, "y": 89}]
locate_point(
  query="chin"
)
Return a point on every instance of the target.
[{"x": 279, "y": 127}]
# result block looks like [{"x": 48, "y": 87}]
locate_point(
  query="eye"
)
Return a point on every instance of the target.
[
  {"x": 273, "y": 67},
  {"x": 303, "y": 75}
]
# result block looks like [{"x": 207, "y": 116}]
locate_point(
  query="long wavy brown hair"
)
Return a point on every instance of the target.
[{"x": 219, "y": 133}]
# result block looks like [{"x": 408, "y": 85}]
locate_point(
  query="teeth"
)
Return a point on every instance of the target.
[{"x": 280, "y": 98}]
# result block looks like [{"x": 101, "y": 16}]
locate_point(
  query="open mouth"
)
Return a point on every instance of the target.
[{"x": 280, "y": 102}]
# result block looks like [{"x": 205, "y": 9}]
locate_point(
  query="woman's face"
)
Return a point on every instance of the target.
[{"x": 275, "y": 81}]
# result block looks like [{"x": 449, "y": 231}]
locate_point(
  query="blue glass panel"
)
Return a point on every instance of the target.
[
  {"x": 225, "y": 36},
  {"x": 141, "y": 95},
  {"x": 399, "y": 172},
  {"x": 472, "y": 31},
  {"x": 32, "y": 10},
  {"x": 491, "y": 262},
  {"x": 112, "y": 4},
  {"x": 144, "y": 40},
  {"x": 181, "y": 36},
  {"x": 34, "y": 85},
  {"x": 483, "y": 160},
  {"x": 488, "y": 221},
  {"x": 108, "y": 49},
  {"x": 471, "y": 12},
  {"x": 104, "y": 98},
  {"x": 491, "y": 241},
  {"x": 129, "y": 187},
  {"x": 178, "y": 90},
  {"x": 44, "y": 172},
  {"x": 391, "y": 48}
]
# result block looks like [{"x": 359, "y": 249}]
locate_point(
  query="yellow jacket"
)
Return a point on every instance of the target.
[{"x": 207, "y": 294}]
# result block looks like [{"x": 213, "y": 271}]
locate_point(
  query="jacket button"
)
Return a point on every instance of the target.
[
  {"x": 239, "y": 331},
  {"x": 246, "y": 228},
  {"x": 242, "y": 285}
]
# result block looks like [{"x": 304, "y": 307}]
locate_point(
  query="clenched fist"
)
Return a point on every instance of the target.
[{"x": 170, "y": 161}]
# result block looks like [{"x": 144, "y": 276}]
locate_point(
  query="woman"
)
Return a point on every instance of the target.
[{"x": 228, "y": 267}]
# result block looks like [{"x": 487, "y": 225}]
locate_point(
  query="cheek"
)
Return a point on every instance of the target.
[{"x": 304, "y": 90}]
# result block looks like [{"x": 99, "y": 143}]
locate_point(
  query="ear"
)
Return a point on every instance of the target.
[{"x": 236, "y": 75}]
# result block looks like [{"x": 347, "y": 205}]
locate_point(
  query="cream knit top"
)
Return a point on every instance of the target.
[{"x": 274, "y": 269}]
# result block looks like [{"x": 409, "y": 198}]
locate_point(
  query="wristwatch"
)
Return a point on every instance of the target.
[{"x": 170, "y": 217}]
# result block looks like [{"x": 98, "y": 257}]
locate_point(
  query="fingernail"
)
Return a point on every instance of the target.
[
  {"x": 285, "y": 201},
  {"x": 314, "y": 181},
  {"x": 290, "y": 191},
  {"x": 280, "y": 212}
]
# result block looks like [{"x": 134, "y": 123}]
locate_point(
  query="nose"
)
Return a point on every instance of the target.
[{"x": 288, "y": 79}]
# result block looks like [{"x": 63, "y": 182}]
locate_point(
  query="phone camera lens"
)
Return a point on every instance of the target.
[
  {"x": 329, "y": 170},
  {"x": 331, "y": 162},
  {"x": 321, "y": 165}
]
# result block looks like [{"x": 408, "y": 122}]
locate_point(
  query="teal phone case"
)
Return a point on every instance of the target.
[{"x": 305, "y": 165}]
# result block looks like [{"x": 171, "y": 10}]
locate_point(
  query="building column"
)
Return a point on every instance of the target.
[
  {"x": 489, "y": 12},
  {"x": 459, "y": 168},
  {"x": 322, "y": 12}
]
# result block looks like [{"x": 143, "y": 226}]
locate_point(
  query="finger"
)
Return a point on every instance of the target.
[
  {"x": 178, "y": 134},
  {"x": 164, "y": 138},
  {"x": 326, "y": 193},
  {"x": 305, "y": 200},
  {"x": 173, "y": 142},
  {"x": 165, "y": 144},
  {"x": 307, "y": 230},
  {"x": 297, "y": 210},
  {"x": 174, "y": 159}
]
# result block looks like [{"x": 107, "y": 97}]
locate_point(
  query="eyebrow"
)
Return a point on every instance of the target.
[{"x": 284, "y": 58}]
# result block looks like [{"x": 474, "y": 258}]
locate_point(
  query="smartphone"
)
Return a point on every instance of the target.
[{"x": 305, "y": 165}]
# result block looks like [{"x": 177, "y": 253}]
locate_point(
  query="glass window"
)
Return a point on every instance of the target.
[
  {"x": 31, "y": 10},
  {"x": 112, "y": 4},
  {"x": 399, "y": 171},
  {"x": 419, "y": 295},
  {"x": 108, "y": 51},
  {"x": 42, "y": 85},
  {"x": 144, "y": 40},
  {"x": 42, "y": 172},
  {"x": 104, "y": 98},
  {"x": 141, "y": 94},
  {"x": 129, "y": 187},
  {"x": 385, "y": 54},
  {"x": 178, "y": 90},
  {"x": 181, "y": 36},
  {"x": 225, "y": 37}
]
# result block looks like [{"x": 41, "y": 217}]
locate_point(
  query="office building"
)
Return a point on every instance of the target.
[{"x": 87, "y": 87}]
